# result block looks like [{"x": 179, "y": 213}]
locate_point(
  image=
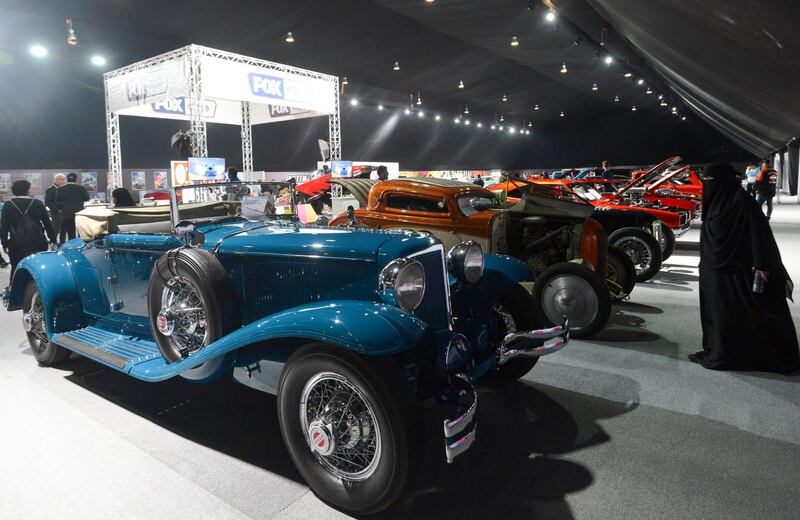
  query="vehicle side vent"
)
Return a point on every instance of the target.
[{"x": 272, "y": 285}]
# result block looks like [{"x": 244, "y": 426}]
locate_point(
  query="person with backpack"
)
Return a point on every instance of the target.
[
  {"x": 766, "y": 186},
  {"x": 23, "y": 224}
]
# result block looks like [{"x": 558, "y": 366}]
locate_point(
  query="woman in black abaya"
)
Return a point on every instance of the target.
[{"x": 742, "y": 329}]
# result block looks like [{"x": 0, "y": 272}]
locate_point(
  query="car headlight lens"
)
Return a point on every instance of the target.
[
  {"x": 465, "y": 261},
  {"x": 402, "y": 282}
]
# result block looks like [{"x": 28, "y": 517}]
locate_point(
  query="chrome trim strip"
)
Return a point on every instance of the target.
[
  {"x": 460, "y": 446},
  {"x": 457, "y": 425},
  {"x": 90, "y": 351}
]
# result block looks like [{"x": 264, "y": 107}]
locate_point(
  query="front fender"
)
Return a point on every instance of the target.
[
  {"x": 63, "y": 310},
  {"x": 364, "y": 327}
]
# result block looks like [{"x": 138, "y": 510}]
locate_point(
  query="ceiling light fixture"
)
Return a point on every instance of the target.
[
  {"x": 504, "y": 98},
  {"x": 661, "y": 96},
  {"x": 514, "y": 41},
  {"x": 683, "y": 118},
  {"x": 633, "y": 108},
  {"x": 648, "y": 91},
  {"x": 419, "y": 99},
  {"x": 493, "y": 127},
  {"x": 380, "y": 107},
  {"x": 344, "y": 80},
  {"x": 421, "y": 114},
  {"x": 594, "y": 87},
  {"x": 511, "y": 130},
  {"x": 500, "y": 127},
  {"x": 640, "y": 81},
  {"x": 428, "y": 1},
  {"x": 675, "y": 110},
  {"x": 616, "y": 99},
  {"x": 460, "y": 84},
  {"x": 396, "y": 66},
  {"x": 38, "y": 51},
  {"x": 479, "y": 125},
  {"x": 536, "y": 107},
  {"x": 663, "y": 103},
  {"x": 550, "y": 16},
  {"x": 466, "y": 122},
  {"x": 564, "y": 67},
  {"x": 98, "y": 60},
  {"x": 561, "y": 114},
  {"x": 354, "y": 101},
  {"x": 466, "y": 110},
  {"x": 72, "y": 38},
  {"x": 289, "y": 38},
  {"x": 628, "y": 74},
  {"x": 501, "y": 118},
  {"x": 609, "y": 60},
  {"x": 407, "y": 111},
  {"x": 457, "y": 120},
  {"x": 530, "y": 124},
  {"x": 438, "y": 117}
]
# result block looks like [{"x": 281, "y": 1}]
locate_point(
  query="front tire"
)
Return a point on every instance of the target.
[
  {"x": 351, "y": 427},
  {"x": 45, "y": 351},
  {"x": 620, "y": 270},
  {"x": 642, "y": 248},
  {"x": 513, "y": 312},
  {"x": 571, "y": 290}
]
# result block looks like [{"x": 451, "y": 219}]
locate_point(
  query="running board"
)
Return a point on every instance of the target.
[{"x": 109, "y": 348}]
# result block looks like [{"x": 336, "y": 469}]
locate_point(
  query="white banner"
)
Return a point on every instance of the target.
[{"x": 167, "y": 80}]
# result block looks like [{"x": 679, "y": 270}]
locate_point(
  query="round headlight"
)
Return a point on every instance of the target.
[
  {"x": 465, "y": 261},
  {"x": 402, "y": 281}
]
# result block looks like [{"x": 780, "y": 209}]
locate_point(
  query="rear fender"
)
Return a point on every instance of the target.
[
  {"x": 364, "y": 327},
  {"x": 63, "y": 310}
]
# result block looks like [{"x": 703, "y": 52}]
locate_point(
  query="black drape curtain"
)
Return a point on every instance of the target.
[{"x": 790, "y": 168}]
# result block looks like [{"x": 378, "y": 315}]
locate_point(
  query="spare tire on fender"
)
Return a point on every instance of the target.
[{"x": 191, "y": 304}]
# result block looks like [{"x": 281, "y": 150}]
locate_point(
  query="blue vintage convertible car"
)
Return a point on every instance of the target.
[{"x": 355, "y": 331}]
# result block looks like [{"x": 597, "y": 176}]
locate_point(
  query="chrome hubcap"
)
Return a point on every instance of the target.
[
  {"x": 182, "y": 316},
  {"x": 637, "y": 250},
  {"x": 570, "y": 296},
  {"x": 340, "y": 427},
  {"x": 33, "y": 322}
]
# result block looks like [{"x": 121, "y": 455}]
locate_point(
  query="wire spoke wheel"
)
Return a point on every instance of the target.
[
  {"x": 33, "y": 321},
  {"x": 638, "y": 251},
  {"x": 340, "y": 427},
  {"x": 183, "y": 316}
]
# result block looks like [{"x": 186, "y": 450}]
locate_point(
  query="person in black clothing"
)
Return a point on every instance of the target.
[
  {"x": 70, "y": 198},
  {"x": 50, "y": 199},
  {"x": 23, "y": 223},
  {"x": 122, "y": 198},
  {"x": 383, "y": 173},
  {"x": 745, "y": 320},
  {"x": 478, "y": 181}
]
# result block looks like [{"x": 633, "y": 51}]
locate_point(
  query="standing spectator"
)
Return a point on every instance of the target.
[
  {"x": 765, "y": 187},
  {"x": 607, "y": 173},
  {"x": 238, "y": 190},
  {"x": 743, "y": 283},
  {"x": 23, "y": 225},
  {"x": 750, "y": 174},
  {"x": 383, "y": 173},
  {"x": 478, "y": 181},
  {"x": 122, "y": 198},
  {"x": 50, "y": 199},
  {"x": 69, "y": 199}
]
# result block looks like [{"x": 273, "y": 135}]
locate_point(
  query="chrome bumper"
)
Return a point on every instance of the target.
[
  {"x": 534, "y": 343},
  {"x": 456, "y": 441},
  {"x": 682, "y": 230}
]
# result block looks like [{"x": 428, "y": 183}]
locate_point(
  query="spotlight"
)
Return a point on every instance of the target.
[
  {"x": 609, "y": 60},
  {"x": 663, "y": 103},
  {"x": 504, "y": 98},
  {"x": 661, "y": 96},
  {"x": 480, "y": 125},
  {"x": 648, "y": 91},
  {"x": 420, "y": 114},
  {"x": 428, "y": 1},
  {"x": 501, "y": 118},
  {"x": 466, "y": 122},
  {"x": 561, "y": 114},
  {"x": 344, "y": 80},
  {"x": 536, "y": 107},
  {"x": 616, "y": 99},
  {"x": 396, "y": 66},
  {"x": 633, "y": 108},
  {"x": 683, "y": 118},
  {"x": 675, "y": 110},
  {"x": 289, "y": 38},
  {"x": 380, "y": 107},
  {"x": 514, "y": 41},
  {"x": 564, "y": 68},
  {"x": 98, "y": 60},
  {"x": 594, "y": 86},
  {"x": 512, "y": 130},
  {"x": 457, "y": 120},
  {"x": 640, "y": 81},
  {"x": 438, "y": 117},
  {"x": 38, "y": 51},
  {"x": 460, "y": 84},
  {"x": 466, "y": 110},
  {"x": 354, "y": 101},
  {"x": 550, "y": 16},
  {"x": 628, "y": 74},
  {"x": 419, "y": 99},
  {"x": 493, "y": 127},
  {"x": 530, "y": 124},
  {"x": 407, "y": 111},
  {"x": 500, "y": 127}
]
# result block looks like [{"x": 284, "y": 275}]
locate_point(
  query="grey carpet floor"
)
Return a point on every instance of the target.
[{"x": 622, "y": 426}]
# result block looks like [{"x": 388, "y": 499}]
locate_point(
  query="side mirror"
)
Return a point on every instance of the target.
[
  {"x": 322, "y": 220},
  {"x": 480, "y": 203}
]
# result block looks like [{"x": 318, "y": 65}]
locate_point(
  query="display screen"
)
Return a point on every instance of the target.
[
  {"x": 206, "y": 169},
  {"x": 342, "y": 168}
]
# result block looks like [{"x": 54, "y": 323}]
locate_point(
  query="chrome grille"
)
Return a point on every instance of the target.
[{"x": 435, "y": 306}]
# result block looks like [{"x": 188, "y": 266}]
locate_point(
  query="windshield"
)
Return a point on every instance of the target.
[
  {"x": 250, "y": 200},
  {"x": 469, "y": 205}
]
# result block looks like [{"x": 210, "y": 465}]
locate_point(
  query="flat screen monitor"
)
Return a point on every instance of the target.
[{"x": 206, "y": 169}]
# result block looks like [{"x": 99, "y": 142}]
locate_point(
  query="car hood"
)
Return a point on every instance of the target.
[{"x": 258, "y": 238}]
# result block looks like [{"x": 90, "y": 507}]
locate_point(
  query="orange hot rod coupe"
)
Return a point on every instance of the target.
[{"x": 560, "y": 243}]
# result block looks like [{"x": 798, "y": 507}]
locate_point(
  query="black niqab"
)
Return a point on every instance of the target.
[{"x": 741, "y": 329}]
